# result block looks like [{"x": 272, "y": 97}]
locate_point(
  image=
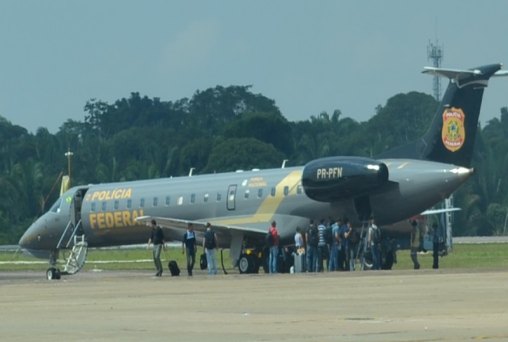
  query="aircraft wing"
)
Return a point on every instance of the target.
[{"x": 175, "y": 228}]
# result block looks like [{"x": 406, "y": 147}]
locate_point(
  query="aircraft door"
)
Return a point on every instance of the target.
[
  {"x": 76, "y": 205},
  {"x": 230, "y": 201}
]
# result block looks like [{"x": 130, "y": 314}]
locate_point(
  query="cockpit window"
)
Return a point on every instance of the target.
[{"x": 56, "y": 207}]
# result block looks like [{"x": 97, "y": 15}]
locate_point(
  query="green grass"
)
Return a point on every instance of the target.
[
  {"x": 467, "y": 256},
  {"x": 464, "y": 256}
]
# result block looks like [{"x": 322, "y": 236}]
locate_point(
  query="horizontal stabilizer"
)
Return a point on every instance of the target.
[
  {"x": 450, "y": 73},
  {"x": 501, "y": 73},
  {"x": 459, "y": 74},
  {"x": 439, "y": 211}
]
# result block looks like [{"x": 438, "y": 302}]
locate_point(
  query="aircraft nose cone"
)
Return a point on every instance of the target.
[{"x": 29, "y": 239}]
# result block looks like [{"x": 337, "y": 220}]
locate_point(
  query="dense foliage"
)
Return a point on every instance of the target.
[{"x": 224, "y": 129}]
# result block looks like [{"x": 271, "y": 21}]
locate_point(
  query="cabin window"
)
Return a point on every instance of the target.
[
  {"x": 205, "y": 198},
  {"x": 247, "y": 193},
  {"x": 286, "y": 190},
  {"x": 129, "y": 204},
  {"x": 117, "y": 204},
  {"x": 93, "y": 207},
  {"x": 155, "y": 201},
  {"x": 193, "y": 198},
  {"x": 56, "y": 207},
  {"x": 219, "y": 197},
  {"x": 273, "y": 192},
  {"x": 260, "y": 192},
  {"x": 168, "y": 201},
  {"x": 142, "y": 203},
  {"x": 180, "y": 200},
  {"x": 104, "y": 205}
]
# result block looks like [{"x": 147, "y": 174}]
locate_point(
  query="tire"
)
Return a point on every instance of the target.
[
  {"x": 245, "y": 264},
  {"x": 53, "y": 274}
]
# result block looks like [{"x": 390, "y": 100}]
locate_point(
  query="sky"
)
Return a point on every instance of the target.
[{"x": 308, "y": 56}]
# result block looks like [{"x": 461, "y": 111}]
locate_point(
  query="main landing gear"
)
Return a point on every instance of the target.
[{"x": 249, "y": 263}]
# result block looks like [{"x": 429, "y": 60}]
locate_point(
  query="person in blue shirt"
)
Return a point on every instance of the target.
[
  {"x": 189, "y": 247},
  {"x": 334, "y": 249}
]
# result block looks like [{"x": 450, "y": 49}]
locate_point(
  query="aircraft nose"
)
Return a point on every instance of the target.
[{"x": 31, "y": 238}]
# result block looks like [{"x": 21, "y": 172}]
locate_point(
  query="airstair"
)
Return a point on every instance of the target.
[
  {"x": 72, "y": 236},
  {"x": 77, "y": 258}
]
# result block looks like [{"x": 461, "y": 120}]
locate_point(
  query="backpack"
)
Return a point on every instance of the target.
[
  {"x": 313, "y": 236},
  {"x": 173, "y": 268}
]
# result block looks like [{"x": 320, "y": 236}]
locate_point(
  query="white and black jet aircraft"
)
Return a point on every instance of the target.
[{"x": 392, "y": 187}]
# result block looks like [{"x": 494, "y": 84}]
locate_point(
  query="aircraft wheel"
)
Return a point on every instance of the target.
[
  {"x": 53, "y": 273},
  {"x": 244, "y": 263},
  {"x": 366, "y": 260}
]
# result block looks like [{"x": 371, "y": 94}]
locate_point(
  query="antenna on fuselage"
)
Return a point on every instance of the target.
[
  {"x": 284, "y": 163},
  {"x": 190, "y": 171}
]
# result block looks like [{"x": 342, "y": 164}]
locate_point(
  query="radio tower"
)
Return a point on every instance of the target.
[{"x": 435, "y": 54}]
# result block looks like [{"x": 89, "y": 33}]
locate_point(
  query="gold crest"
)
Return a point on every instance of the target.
[{"x": 453, "y": 133}]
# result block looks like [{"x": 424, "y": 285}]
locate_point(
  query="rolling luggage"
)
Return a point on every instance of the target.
[
  {"x": 173, "y": 268},
  {"x": 299, "y": 262},
  {"x": 203, "y": 263}
]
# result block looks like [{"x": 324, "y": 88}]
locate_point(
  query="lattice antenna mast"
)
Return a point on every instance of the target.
[{"x": 435, "y": 54}]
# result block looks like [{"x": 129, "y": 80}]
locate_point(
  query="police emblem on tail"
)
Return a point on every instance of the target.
[{"x": 453, "y": 133}]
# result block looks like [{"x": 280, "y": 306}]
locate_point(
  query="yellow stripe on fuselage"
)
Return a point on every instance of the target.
[{"x": 269, "y": 206}]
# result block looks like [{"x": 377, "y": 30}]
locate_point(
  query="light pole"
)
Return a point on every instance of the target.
[{"x": 69, "y": 154}]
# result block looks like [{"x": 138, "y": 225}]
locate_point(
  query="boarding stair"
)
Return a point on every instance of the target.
[{"x": 77, "y": 257}]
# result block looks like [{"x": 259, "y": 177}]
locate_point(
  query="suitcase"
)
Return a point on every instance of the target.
[
  {"x": 173, "y": 268},
  {"x": 299, "y": 262}
]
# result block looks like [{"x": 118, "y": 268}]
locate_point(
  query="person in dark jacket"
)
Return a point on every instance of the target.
[
  {"x": 157, "y": 238},
  {"x": 210, "y": 245}
]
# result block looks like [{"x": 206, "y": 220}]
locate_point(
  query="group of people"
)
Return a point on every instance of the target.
[
  {"x": 415, "y": 243},
  {"x": 189, "y": 247},
  {"x": 337, "y": 243}
]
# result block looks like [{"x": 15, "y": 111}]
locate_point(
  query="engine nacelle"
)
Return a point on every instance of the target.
[{"x": 335, "y": 178}]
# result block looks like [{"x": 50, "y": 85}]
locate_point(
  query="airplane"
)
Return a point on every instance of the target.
[{"x": 399, "y": 184}]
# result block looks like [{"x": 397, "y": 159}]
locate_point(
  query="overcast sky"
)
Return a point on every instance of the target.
[{"x": 308, "y": 56}]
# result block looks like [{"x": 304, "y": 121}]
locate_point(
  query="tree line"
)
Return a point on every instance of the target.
[{"x": 225, "y": 129}]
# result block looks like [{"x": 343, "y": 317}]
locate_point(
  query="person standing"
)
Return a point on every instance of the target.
[
  {"x": 415, "y": 243},
  {"x": 299, "y": 239},
  {"x": 273, "y": 234},
  {"x": 189, "y": 247},
  {"x": 334, "y": 249},
  {"x": 352, "y": 243},
  {"x": 436, "y": 239},
  {"x": 373, "y": 243},
  {"x": 157, "y": 238},
  {"x": 321, "y": 245},
  {"x": 343, "y": 246},
  {"x": 312, "y": 239},
  {"x": 210, "y": 246}
]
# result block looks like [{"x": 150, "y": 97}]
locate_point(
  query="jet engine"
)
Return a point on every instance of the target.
[{"x": 335, "y": 178}]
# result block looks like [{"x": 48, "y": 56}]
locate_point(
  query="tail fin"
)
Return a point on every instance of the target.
[{"x": 450, "y": 138}]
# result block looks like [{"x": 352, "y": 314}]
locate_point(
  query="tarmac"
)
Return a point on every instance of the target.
[{"x": 423, "y": 305}]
